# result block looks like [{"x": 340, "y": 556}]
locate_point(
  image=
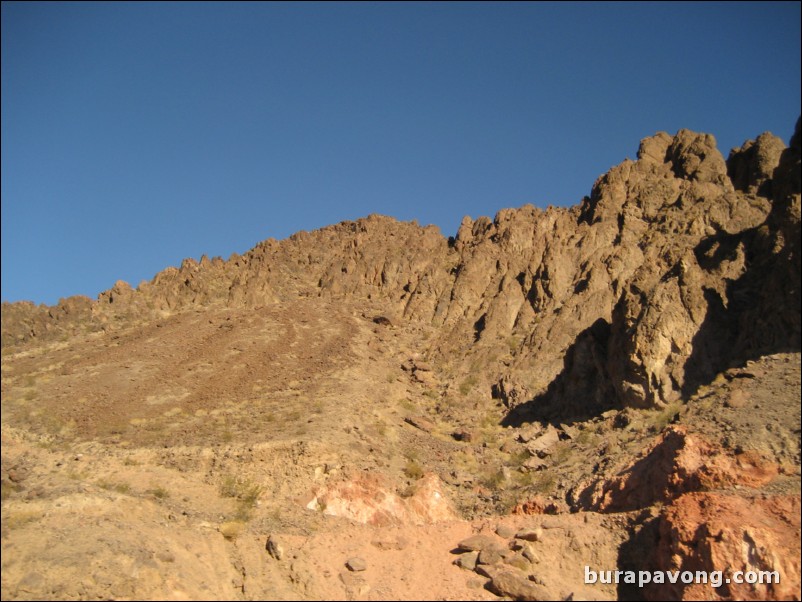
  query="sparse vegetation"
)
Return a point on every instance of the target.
[
  {"x": 158, "y": 492},
  {"x": 413, "y": 469},
  {"x": 585, "y": 437},
  {"x": 245, "y": 491},
  {"x": 525, "y": 479},
  {"x": 20, "y": 518},
  {"x": 513, "y": 343},
  {"x": 378, "y": 428},
  {"x": 232, "y": 529},
  {"x": 407, "y": 404},
  {"x": 467, "y": 385},
  {"x": 489, "y": 420},
  {"x": 494, "y": 479},
  {"x": 465, "y": 461},
  {"x": 544, "y": 482},
  {"x": 241, "y": 489},
  {"x": 76, "y": 475},
  {"x": 214, "y": 400},
  {"x": 431, "y": 394},
  {"x": 562, "y": 453},
  {"x": 518, "y": 457},
  {"x": 119, "y": 487},
  {"x": 657, "y": 420},
  {"x": 7, "y": 489}
]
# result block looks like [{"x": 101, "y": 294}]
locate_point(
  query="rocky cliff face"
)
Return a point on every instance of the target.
[
  {"x": 326, "y": 417},
  {"x": 677, "y": 265}
]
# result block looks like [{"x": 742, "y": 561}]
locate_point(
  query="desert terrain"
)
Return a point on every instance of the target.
[{"x": 376, "y": 411}]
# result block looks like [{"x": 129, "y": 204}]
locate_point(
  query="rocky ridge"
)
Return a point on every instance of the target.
[
  {"x": 339, "y": 414},
  {"x": 677, "y": 265}
]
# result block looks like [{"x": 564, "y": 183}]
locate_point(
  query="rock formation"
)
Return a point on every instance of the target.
[
  {"x": 677, "y": 265},
  {"x": 374, "y": 411}
]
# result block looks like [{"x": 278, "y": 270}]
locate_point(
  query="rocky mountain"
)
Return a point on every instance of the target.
[
  {"x": 677, "y": 265},
  {"x": 615, "y": 383}
]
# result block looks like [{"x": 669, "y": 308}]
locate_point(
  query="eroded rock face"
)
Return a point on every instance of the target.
[
  {"x": 632, "y": 298},
  {"x": 751, "y": 167},
  {"x": 676, "y": 463},
  {"x": 369, "y": 500},
  {"x": 720, "y": 532}
]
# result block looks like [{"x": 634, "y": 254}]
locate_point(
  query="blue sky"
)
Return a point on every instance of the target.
[{"x": 137, "y": 134}]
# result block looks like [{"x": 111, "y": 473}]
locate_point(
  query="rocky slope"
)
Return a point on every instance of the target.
[
  {"x": 677, "y": 265},
  {"x": 630, "y": 365}
]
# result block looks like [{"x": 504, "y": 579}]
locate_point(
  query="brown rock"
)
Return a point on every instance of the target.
[
  {"x": 479, "y": 543},
  {"x": 628, "y": 299},
  {"x": 530, "y": 554},
  {"x": 751, "y": 167},
  {"x": 543, "y": 444},
  {"x": 356, "y": 564},
  {"x": 512, "y": 582},
  {"x": 534, "y": 463},
  {"x": 491, "y": 555},
  {"x": 533, "y": 534},
  {"x": 390, "y": 543},
  {"x": 274, "y": 547},
  {"x": 676, "y": 463},
  {"x": 721, "y": 532},
  {"x": 424, "y": 424},
  {"x": 737, "y": 399},
  {"x": 462, "y": 435},
  {"x": 540, "y": 505},
  {"x": 467, "y": 560}
]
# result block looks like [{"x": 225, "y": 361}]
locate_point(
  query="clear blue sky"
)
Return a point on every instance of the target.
[{"x": 136, "y": 134}]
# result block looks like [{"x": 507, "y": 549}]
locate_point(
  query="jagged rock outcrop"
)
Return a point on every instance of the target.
[
  {"x": 366, "y": 499},
  {"x": 676, "y": 463},
  {"x": 677, "y": 264},
  {"x": 714, "y": 532}
]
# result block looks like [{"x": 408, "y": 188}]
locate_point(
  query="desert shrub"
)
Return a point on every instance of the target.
[
  {"x": 245, "y": 491},
  {"x": 518, "y": 457},
  {"x": 513, "y": 343},
  {"x": 562, "y": 452},
  {"x": 467, "y": 385},
  {"x": 585, "y": 437},
  {"x": 413, "y": 469},
  {"x": 7, "y": 489},
  {"x": 494, "y": 479},
  {"x": 159, "y": 493},
  {"x": 119, "y": 487},
  {"x": 544, "y": 483},
  {"x": 240, "y": 488},
  {"x": 660, "y": 419},
  {"x": 232, "y": 529},
  {"x": 14, "y": 520},
  {"x": 407, "y": 404}
]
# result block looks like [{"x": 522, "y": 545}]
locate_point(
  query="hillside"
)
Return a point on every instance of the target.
[{"x": 617, "y": 383}]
